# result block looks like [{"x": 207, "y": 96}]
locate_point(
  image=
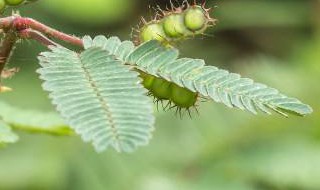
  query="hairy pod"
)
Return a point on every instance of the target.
[
  {"x": 147, "y": 79},
  {"x": 183, "y": 97},
  {"x": 161, "y": 89},
  {"x": 152, "y": 31},
  {"x": 173, "y": 26},
  {"x": 195, "y": 18},
  {"x": 176, "y": 24}
]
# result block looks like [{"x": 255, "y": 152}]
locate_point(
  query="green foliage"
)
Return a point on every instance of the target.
[
  {"x": 90, "y": 12},
  {"x": 33, "y": 121},
  {"x": 209, "y": 81},
  {"x": 2, "y": 5},
  {"x": 6, "y": 134},
  {"x": 100, "y": 97},
  {"x": 14, "y": 2}
]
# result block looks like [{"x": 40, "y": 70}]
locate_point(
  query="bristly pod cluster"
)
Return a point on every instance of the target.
[
  {"x": 173, "y": 25},
  {"x": 5, "y": 3}
]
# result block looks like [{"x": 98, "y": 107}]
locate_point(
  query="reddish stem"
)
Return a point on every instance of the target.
[
  {"x": 16, "y": 26},
  {"x": 38, "y": 36},
  {"x": 19, "y": 23},
  {"x": 23, "y": 23},
  {"x": 6, "y": 48}
]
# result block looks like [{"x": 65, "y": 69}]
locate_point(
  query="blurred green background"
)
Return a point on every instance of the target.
[{"x": 272, "y": 41}]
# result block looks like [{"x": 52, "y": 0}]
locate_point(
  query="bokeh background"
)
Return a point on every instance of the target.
[{"x": 274, "y": 42}]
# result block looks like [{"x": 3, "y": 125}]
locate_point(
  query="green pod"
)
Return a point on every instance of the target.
[
  {"x": 152, "y": 31},
  {"x": 14, "y": 2},
  {"x": 183, "y": 97},
  {"x": 195, "y": 18},
  {"x": 173, "y": 26},
  {"x": 147, "y": 80},
  {"x": 2, "y": 5},
  {"x": 161, "y": 89}
]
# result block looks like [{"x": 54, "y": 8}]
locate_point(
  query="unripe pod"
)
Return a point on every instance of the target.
[
  {"x": 14, "y": 2},
  {"x": 153, "y": 31},
  {"x": 147, "y": 80},
  {"x": 195, "y": 18},
  {"x": 2, "y": 5},
  {"x": 161, "y": 89},
  {"x": 173, "y": 26},
  {"x": 183, "y": 97}
]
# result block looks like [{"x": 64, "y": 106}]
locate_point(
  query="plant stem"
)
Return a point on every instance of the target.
[
  {"x": 35, "y": 25},
  {"x": 38, "y": 36},
  {"x": 18, "y": 23},
  {"x": 6, "y": 48}
]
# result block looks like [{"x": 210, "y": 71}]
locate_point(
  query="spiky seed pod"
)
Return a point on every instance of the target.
[
  {"x": 152, "y": 31},
  {"x": 2, "y": 5},
  {"x": 174, "y": 27},
  {"x": 147, "y": 79},
  {"x": 176, "y": 24},
  {"x": 14, "y": 2},
  {"x": 183, "y": 97},
  {"x": 195, "y": 18},
  {"x": 161, "y": 89}
]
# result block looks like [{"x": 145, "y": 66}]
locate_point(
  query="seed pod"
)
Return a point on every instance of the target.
[
  {"x": 161, "y": 89},
  {"x": 147, "y": 80},
  {"x": 152, "y": 31},
  {"x": 14, "y": 2},
  {"x": 173, "y": 26},
  {"x": 183, "y": 97},
  {"x": 195, "y": 18},
  {"x": 2, "y": 5}
]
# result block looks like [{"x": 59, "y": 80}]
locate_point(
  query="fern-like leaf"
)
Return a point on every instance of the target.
[
  {"x": 209, "y": 81},
  {"x": 6, "y": 134},
  {"x": 33, "y": 121},
  {"x": 100, "y": 97}
]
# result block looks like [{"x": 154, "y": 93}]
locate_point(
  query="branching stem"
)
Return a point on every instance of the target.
[
  {"x": 38, "y": 36},
  {"x": 6, "y": 48},
  {"x": 18, "y": 23},
  {"x": 15, "y": 27}
]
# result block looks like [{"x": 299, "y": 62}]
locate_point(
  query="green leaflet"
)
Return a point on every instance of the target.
[
  {"x": 33, "y": 121},
  {"x": 217, "y": 84},
  {"x": 6, "y": 134},
  {"x": 99, "y": 97}
]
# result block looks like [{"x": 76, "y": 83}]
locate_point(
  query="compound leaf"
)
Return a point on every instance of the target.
[
  {"x": 100, "y": 97},
  {"x": 209, "y": 81}
]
